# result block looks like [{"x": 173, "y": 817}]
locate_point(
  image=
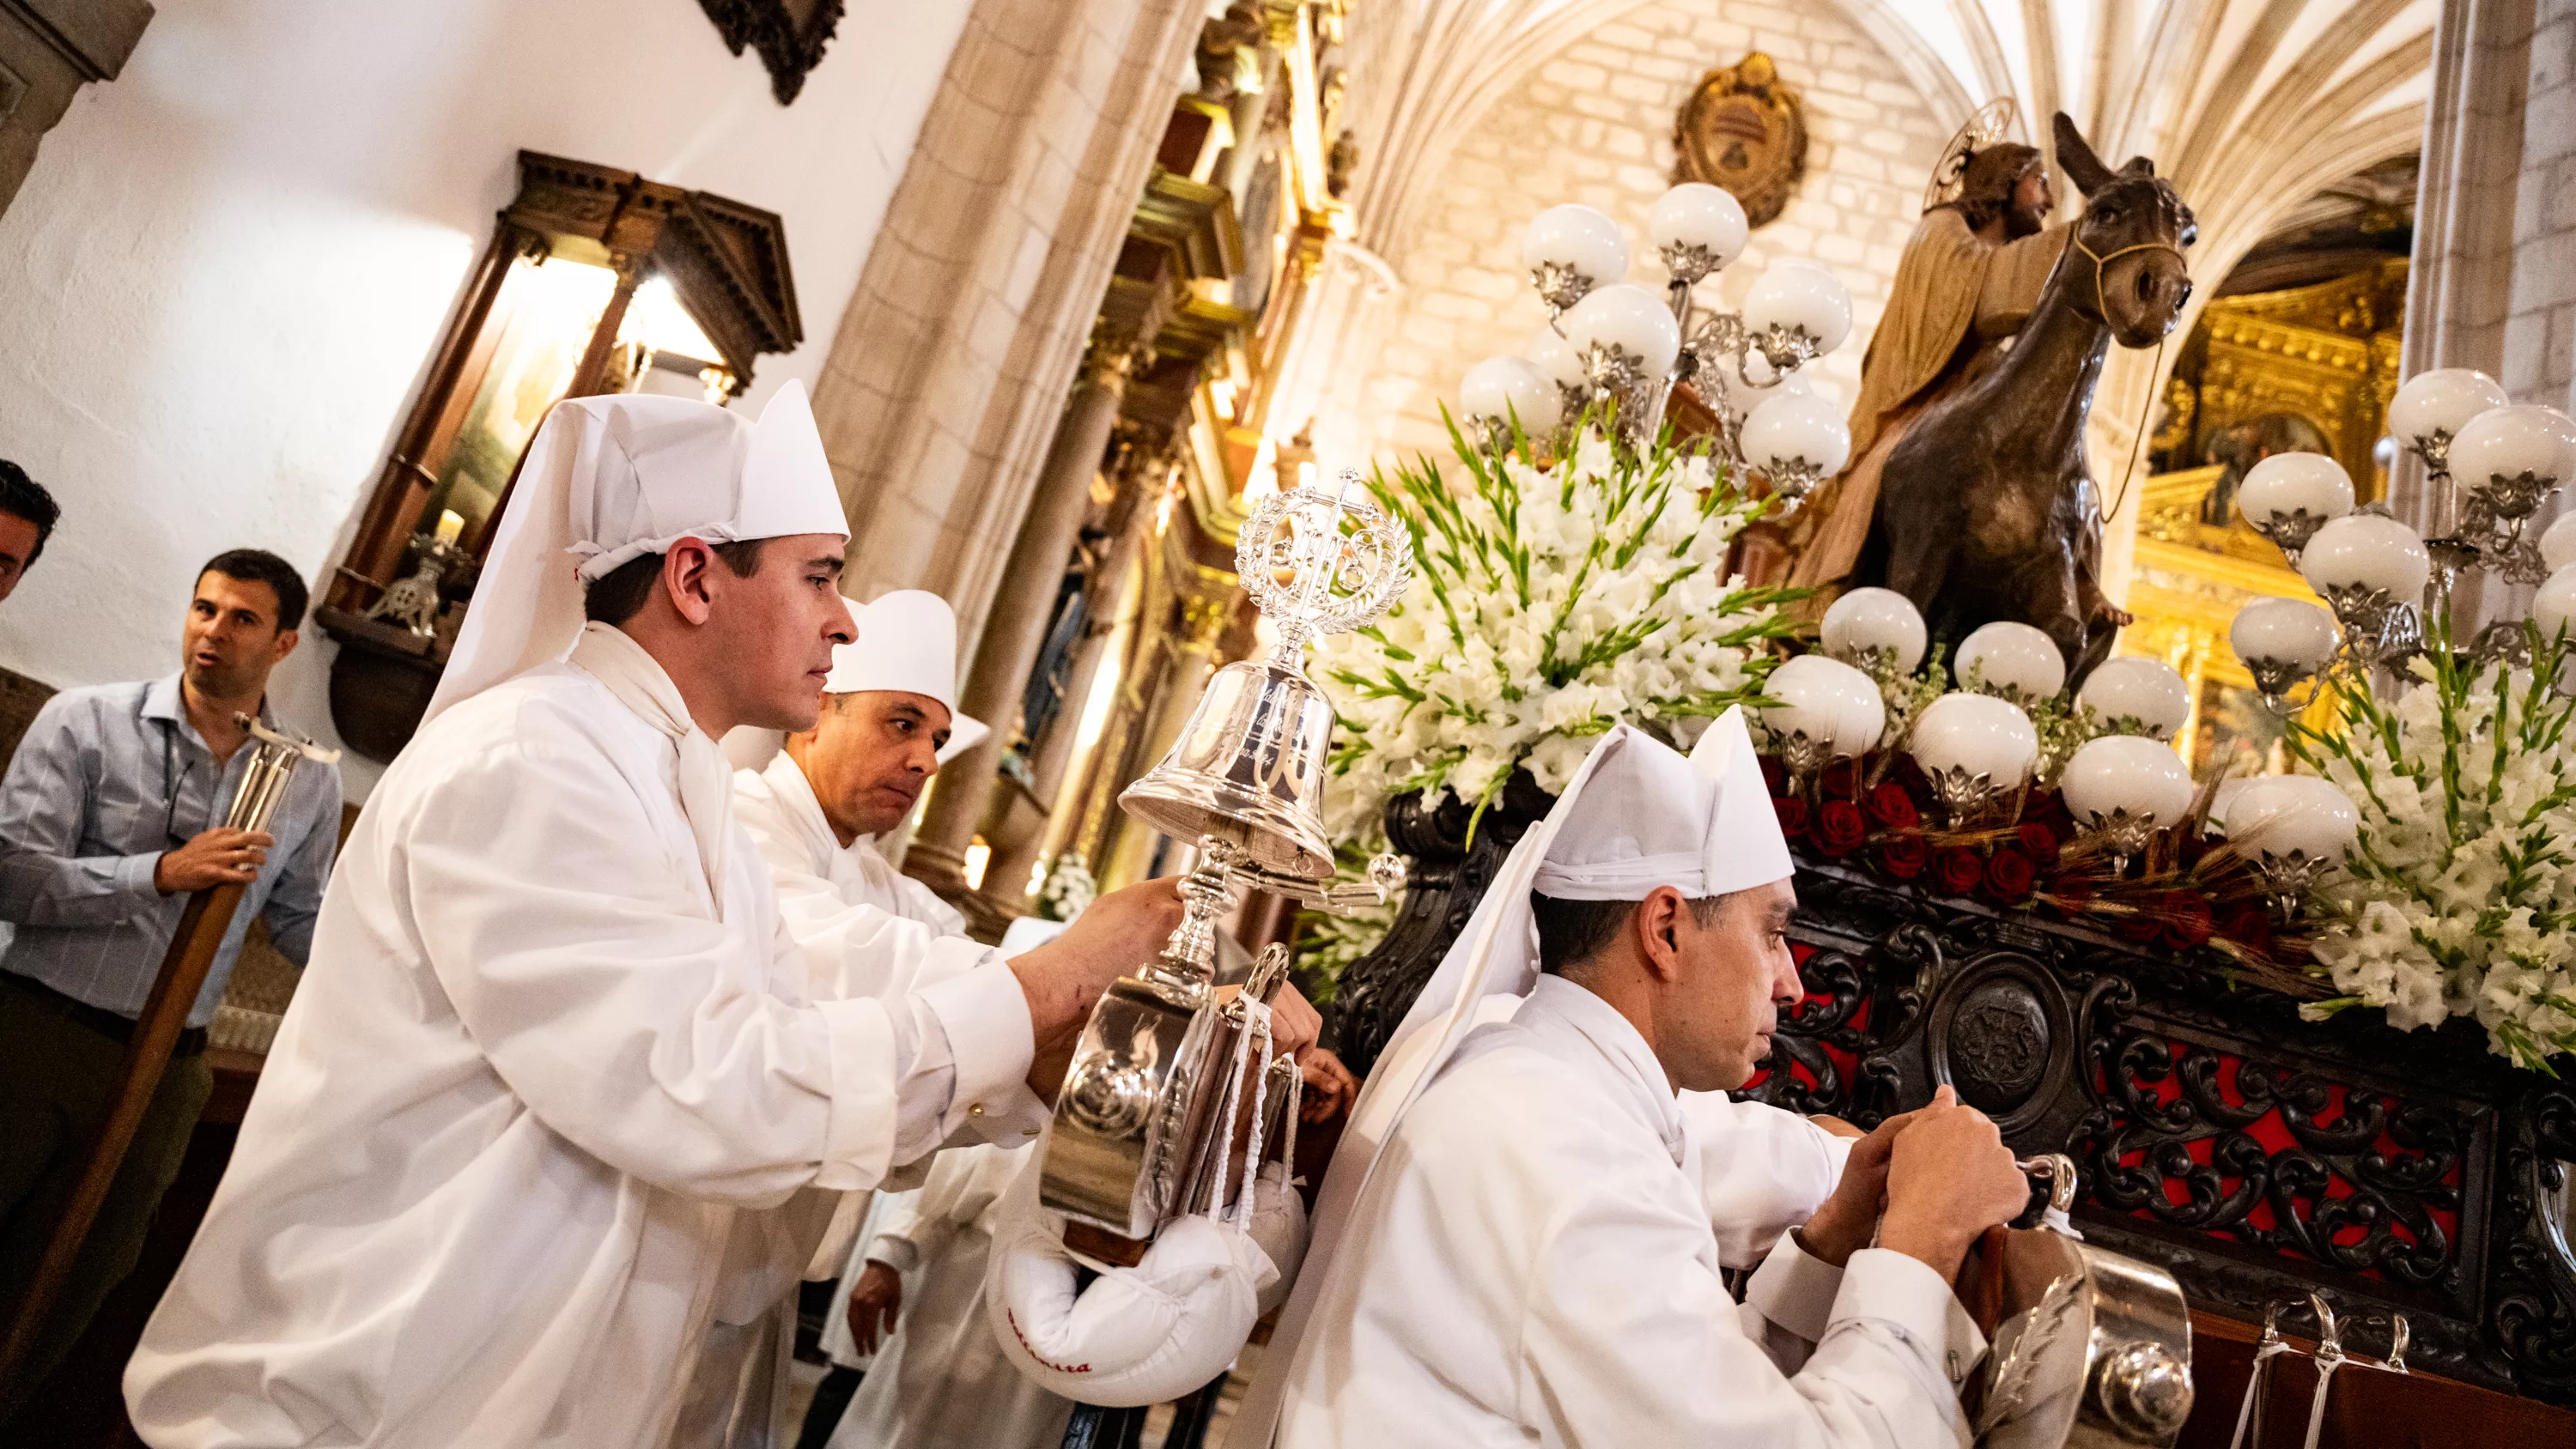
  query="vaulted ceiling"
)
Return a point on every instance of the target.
[{"x": 2252, "y": 106}]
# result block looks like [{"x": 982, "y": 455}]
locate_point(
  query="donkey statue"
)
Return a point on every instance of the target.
[{"x": 1986, "y": 510}]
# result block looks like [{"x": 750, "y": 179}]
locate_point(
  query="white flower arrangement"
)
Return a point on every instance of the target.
[
  {"x": 1068, "y": 889},
  {"x": 2459, "y": 898},
  {"x": 1548, "y": 604}
]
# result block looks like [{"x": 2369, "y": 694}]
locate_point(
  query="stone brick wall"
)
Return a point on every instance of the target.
[
  {"x": 1594, "y": 124},
  {"x": 2540, "y": 323}
]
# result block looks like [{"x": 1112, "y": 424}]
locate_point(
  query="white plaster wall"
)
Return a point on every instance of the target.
[
  {"x": 1593, "y": 124},
  {"x": 223, "y": 278}
]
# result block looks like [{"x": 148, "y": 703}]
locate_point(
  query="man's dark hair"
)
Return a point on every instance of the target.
[
  {"x": 619, "y": 594},
  {"x": 259, "y": 566},
  {"x": 27, "y": 498},
  {"x": 1573, "y": 932}
]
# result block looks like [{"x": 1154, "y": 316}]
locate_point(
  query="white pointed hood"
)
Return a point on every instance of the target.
[
  {"x": 614, "y": 477},
  {"x": 1636, "y": 815}
]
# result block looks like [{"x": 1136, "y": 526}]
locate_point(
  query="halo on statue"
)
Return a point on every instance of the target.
[{"x": 1996, "y": 120}]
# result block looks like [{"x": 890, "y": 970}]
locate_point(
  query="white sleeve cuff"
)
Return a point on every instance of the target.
[
  {"x": 859, "y": 1132},
  {"x": 896, "y": 1253},
  {"x": 1895, "y": 1288},
  {"x": 1795, "y": 1290},
  {"x": 992, "y": 1042}
]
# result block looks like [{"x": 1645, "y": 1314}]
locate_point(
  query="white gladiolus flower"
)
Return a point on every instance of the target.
[
  {"x": 1547, "y": 604},
  {"x": 2460, "y": 898}
]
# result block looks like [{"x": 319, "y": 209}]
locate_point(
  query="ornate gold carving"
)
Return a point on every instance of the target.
[{"x": 1744, "y": 129}]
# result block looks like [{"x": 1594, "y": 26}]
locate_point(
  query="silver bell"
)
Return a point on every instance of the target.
[{"x": 1248, "y": 769}]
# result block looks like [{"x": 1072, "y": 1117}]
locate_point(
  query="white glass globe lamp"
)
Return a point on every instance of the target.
[
  {"x": 1624, "y": 334},
  {"x": 2135, "y": 695},
  {"x": 1827, "y": 711},
  {"x": 2013, "y": 660},
  {"x": 1571, "y": 249},
  {"x": 2287, "y": 497},
  {"x": 1975, "y": 750},
  {"x": 1796, "y": 312},
  {"x": 2555, "y": 605},
  {"x": 2122, "y": 789},
  {"x": 2558, "y": 543},
  {"x": 1796, "y": 440},
  {"x": 2431, "y": 408},
  {"x": 2505, "y": 462},
  {"x": 1501, "y": 391},
  {"x": 2282, "y": 642},
  {"x": 1698, "y": 228},
  {"x": 2292, "y": 827},
  {"x": 1879, "y": 630},
  {"x": 2371, "y": 570}
]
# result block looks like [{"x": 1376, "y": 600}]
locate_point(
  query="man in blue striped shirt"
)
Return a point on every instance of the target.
[{"x": 110, "y": 816}]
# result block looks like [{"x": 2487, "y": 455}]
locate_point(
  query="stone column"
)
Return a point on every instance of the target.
[
  {"x": 1015, "y": 628},
  {"x": 1199, "y": 624},
  {"x": 2466, "y": 270},
  {"x": 1049, "y": 768}
]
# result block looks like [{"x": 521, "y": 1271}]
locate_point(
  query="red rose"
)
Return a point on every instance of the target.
[
  {"x": 2040, "y": 839},
  {"x": 1904, "y": 856},
  {"x": 2073, "y": 894},
  {"x": 2145, "y": 925},
  {"x": 1891, "y": 807},
  {"x": 1793, "y": 815},
  {"x": 2186, "y": 922},
  {"x": 1775, "y": 776},
  {"x": 1958, "y": 870},
  {"x": 1841, "y": 778},
  {"x": 2248, "y": 924},
  {"x": 1840, "y": 828},
  {"x": 2010, "y": 876},
  {"x": 2047, "y": 807}
]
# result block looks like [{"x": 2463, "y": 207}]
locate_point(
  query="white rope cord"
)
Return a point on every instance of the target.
[
  {"x": 1260, "y": 1116},
  {"x": 1256, "y": 1018}
]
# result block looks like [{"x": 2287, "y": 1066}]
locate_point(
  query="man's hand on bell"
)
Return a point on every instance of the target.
[
  {"x": 1111, "y": 938},
  {"x": 1949, "y": 1178}
]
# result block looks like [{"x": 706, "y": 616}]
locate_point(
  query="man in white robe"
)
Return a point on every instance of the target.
[
  {"x": 817, "y": 806},
  {"x": 553, "y": 1038},
  {"x": 1529, "y": 1257},
  {"x": 814, "y": 803}
]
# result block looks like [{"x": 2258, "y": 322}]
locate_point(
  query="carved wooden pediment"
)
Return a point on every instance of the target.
[{"x": 728, "y": 260}]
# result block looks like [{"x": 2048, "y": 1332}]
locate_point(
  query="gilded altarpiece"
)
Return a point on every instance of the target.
[{"x": 2305, "y": 369}]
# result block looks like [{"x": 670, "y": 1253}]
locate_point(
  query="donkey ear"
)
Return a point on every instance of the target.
[{"x": 2082, "y": 167}]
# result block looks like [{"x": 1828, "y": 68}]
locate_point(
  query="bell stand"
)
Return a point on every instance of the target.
[{"x": 202, "y": 927}]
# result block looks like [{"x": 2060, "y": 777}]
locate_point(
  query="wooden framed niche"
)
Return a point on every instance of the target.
[{"x": 596, "y": 280}]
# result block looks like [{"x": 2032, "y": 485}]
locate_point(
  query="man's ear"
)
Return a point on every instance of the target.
[
  {"x": 285, "y": 645},
  {"x": 1657, "y": 922},
  {"x": 686, "y": 569}
]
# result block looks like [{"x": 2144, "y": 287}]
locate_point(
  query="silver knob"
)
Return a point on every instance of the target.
[{"x": 2145, "y": 1391}]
